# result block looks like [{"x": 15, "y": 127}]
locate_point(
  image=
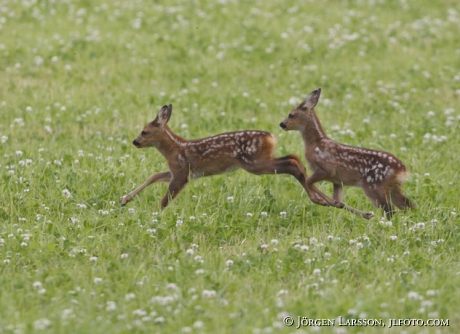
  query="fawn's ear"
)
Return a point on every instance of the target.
[
  {"x": 311, "y": 100},
  {"x": 164, "y": 115}
]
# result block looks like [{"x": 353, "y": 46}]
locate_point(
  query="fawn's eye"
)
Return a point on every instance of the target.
[
  {"x": 291, "y": 116},
  {"x": 143, "y": 133}
]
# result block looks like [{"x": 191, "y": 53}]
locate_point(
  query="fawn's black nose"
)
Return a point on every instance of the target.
[
  {"x": 135, "y": 143},
  {"x": 282, "y": 126}
]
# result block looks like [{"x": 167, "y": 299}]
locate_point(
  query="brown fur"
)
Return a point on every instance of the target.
[
  {"x": 251, "y": 150},
  {"x": 380, "y": 174}
]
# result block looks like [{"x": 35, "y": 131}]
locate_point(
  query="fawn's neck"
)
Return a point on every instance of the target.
[
  {"x": 312, "y": 133},
  {"x": 169, "y": 142}
]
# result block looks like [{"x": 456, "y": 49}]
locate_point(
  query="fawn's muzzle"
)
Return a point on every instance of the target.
[
  {"x": 282, "y": 126},
  {"x": 135, "y": 143}
]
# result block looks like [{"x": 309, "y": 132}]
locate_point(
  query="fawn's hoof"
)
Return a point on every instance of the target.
[{"x": 368, "y": 215}]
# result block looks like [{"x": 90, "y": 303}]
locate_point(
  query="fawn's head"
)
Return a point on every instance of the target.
[
  {"x": 299, "y": 116},
  {"x": 154, "y": 131}
]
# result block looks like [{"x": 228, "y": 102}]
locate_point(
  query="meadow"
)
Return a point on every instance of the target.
[{"x": 235, "y": 253}]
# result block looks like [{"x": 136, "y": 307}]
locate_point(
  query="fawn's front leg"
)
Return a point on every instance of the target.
[
  {"x": 176, "y": 185},
  {"x": 157, "y": 177}
]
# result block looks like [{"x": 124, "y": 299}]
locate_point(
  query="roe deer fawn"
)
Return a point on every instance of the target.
[
  {"x": 251, "y": 150},
  {"x": 379, "y": 174}
]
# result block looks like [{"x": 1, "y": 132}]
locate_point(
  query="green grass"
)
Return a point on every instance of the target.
[{"x": 79, "y": 79}]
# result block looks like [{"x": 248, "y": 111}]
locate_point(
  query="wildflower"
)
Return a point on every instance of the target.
[
  {"x": 189, "y": 251},
  {"x": 37, "y": 285},
  {"x": 179, "y": 223},
  {"x": 124, "y": 256},
  {"x": 431, "y": 292},
  {"x": 199, "y": 272},
  {"x": 264, "y": 246},
  {"x": 352, "y": 242},
  {"x": 412, "y": 295},
  {"x": 66, "y": 193},
  {"x": 393, "y": 237},
  {"x": 159, "y": 320},
  {"x": 230, "y": 199},
  {"x": 209, "y": 293},
  {"x": 131, "y": 210},
  {"x": 97, "y": 280},
  {"x": 229, "y": 263},
  {"x": 313, "y": 241},
  {"x": 198, "y": 324},
  {"x": 359, "y": 245},
  {"x": 274, "y": 242},
  {"x": 111, "y": 306},
  {"x": 304, "y": 248},
  {"x": 249, "y": 214},
  {"x": 263, "y": 214},
  {"x": 283, "y": 214},
  {"x": 130, "y": 296},
  {"x": 93, "y": 258},
  {"x": 317, "y": 272},
  {"x": 41, "y": 324}
]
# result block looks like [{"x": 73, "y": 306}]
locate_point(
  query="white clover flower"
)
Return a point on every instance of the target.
[
  {"x": 282, "y": 292},
  {"x": 352, "y": 242},
  {"x": 264, "y": 246},
  {"x": 430, "y": 293},
  {"x": 131, "y": 210},
  {"x": 209, "y": 293},
  {"x": 313, "y": 241},
  {"x": 304, "y": 248},
  {"x": 198, "y": 324},
  {"x": 263, "y": 214},
  {"x": 189, "y": 251},
  {"x": 229, "y": 263},
  {"x": 93, "y": 258},
  {"x": 393, "y": 237},
  {"x": 159, "y": 320},
  {"x": 97, "y": 280},
  {"x": 199, "y": 272},
  {"x": 66, "y": 193},
  {"x": 130, "y": 296},
  {"x": 274, "y": 242},
  {"x": 37, "y": 285},
  {"x": 283, "y": 214},
  {"x": 179, "y": 223},
  {"x": 412, "y": 295},
  {"x": 317, "y": 272},
  {"x": 111, "y": 306},
  {"x": 249, "y": 214},
  {"x": 124, "y": 256},
  {"x": 359, "y": 245},
  {"x": 230, "y": 199},
  {"x": 42, "y": 324}
]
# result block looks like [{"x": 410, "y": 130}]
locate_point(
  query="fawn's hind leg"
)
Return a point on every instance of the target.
[
  {"x": 380, "y": 197},
  {"x": 401, "y": 201}
]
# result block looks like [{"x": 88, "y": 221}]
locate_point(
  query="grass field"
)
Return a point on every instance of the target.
[{"x": 235, "y": 253}]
